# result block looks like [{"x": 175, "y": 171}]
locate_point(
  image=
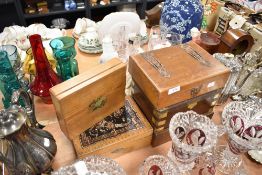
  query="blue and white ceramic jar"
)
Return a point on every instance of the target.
[{"x": 179, "y": 16}]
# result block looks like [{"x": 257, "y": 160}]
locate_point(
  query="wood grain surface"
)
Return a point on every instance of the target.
[
  {"x": 186, "y": 73},
  {"x": 73, "y": 99}
]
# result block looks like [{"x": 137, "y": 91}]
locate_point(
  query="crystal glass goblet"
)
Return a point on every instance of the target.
[
  {"x": 92, "y": 165},
  {"x": 158, "y": 165},
  {"x": 171, "y": 38},
  {"x": 121, "y": 43},
  {"x": 192, "y": 135},
  {"x": 243, "y": 123},
  {"x": 155, "y": 38},
  {"x": 133, "y": 44},
  {"x": 162, "y": 38}
]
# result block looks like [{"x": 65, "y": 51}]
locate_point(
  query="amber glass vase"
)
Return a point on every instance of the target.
[{"x": 45, "y": 77}]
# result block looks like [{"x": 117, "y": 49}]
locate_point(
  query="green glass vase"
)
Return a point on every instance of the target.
[
  {"x": 66, "y": 64},
  {"x": 8, "y": 79},
  {"x": 65, "y": 53}
]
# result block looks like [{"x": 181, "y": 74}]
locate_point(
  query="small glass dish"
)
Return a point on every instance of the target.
[
  {"x": 158, "y": 165},
  {"x": 92, "y": 165}
]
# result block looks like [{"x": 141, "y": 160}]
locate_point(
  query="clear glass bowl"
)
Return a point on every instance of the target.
[{"x": 92, "y": 165}]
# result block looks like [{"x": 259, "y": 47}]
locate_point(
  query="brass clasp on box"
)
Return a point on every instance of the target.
[
  {"x": 97, "y": 103},
  {"x": 195, "y": 91},
  {"x": 192, "y": 105}
]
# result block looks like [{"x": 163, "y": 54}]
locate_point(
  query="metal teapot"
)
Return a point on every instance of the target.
[
  {"x": 28, "y": 150},
  {"x": 29, "y": 106}
]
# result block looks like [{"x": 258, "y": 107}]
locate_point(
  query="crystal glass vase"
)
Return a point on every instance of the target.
[
  {"x": 192, "y": 135},
  {"x": 243, "y": 123},
  {"x": 8, "y": 79},
  {"x": 45, "y": 77},
  {"x": 65, "y": 53}
]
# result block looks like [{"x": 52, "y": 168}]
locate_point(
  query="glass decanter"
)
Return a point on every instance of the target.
[
  {"x": 192, "y": 135},
  {"x": 243, "y": 123},
  {"x": 45, "y": 77}
]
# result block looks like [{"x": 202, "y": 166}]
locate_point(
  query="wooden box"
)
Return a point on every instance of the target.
[
  {"x": 173, "y": 75},
  {"x": 86, "y": 99},
  {"x": 159, "y": 119},
  {"x": 123, "y": 131},
  {"x": 172, "y": 80}
]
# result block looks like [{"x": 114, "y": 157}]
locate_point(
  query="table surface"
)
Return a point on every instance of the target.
[{"x": 130, "y": 162}]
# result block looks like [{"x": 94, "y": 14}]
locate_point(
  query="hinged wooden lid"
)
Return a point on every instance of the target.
[
  {"x": 86, "y": 99},
  {"x": 188, "y": 77}
]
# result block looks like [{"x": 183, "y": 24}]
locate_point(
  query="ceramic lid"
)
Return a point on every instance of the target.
[{"x": 11, "y": 120}]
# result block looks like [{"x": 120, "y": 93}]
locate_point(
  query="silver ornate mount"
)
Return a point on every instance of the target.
[
  {"x": 150, "y": 58},
  {"x": 190, "y": 50}
]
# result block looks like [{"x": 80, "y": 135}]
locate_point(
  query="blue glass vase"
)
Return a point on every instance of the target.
[
  {"x": 179, "y": 16},
  {"x": 8, "y": 79}
]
